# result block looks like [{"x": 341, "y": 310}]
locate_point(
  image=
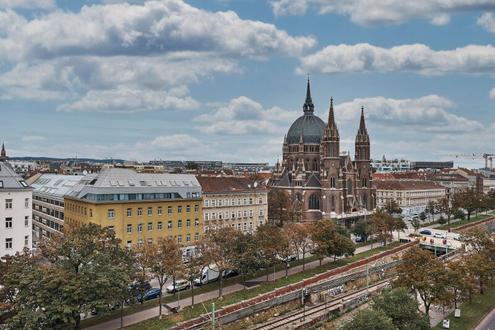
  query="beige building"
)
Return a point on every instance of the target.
[
  {"x": 233, "y": 201},
  {"x": 412, "y": 196}
]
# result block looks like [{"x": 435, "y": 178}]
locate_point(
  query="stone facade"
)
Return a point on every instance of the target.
[{"x": 329, "y": 184}]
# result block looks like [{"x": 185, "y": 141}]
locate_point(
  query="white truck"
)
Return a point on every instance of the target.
[{"x": 209, "y": 274}]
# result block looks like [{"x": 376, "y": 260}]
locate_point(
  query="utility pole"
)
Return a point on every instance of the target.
[{"x": 213, "y": 316}]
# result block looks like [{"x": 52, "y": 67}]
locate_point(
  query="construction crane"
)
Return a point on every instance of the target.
[{"x": 486, "y": 157}]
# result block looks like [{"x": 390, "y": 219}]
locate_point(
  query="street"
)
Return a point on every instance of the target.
[{"x": 488, "y": 323}]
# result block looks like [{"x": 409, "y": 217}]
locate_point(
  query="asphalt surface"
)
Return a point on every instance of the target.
[{"x": 488, "y": 323}]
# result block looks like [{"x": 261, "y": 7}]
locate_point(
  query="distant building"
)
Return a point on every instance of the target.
[
  {"x": 412, "y": 196},
  {"x": 15, "y": 210},
  {"x": 139, "y": 207},
  {"x": 390, "y": 165},
  {"x": 329, "y": 184},
  {"x": 48, "y": 202},
  {"x": 246, "y": 169},
  {"x": 233, "y": 201},
  {"x": 24, "y": 167},
  {"x": 431, "y": 165}
]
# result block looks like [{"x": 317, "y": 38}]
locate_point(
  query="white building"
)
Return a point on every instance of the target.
[
  {"x": 390, "y": 165},
  {"x": 23, "y": 167},
  {"x": 48, "y": 202},
  {"x": 15, "y": 211}
]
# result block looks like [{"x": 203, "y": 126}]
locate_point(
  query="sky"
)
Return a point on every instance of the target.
[{"x": 224, "y": 79}]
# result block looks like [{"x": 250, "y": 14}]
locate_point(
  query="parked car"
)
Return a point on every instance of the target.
[
  {"x": 137, "y": 288},
  {"x": 230, "y": 273},
  {"x": 288, "y": 259},
  {"x": 150, "y": 294},
  {"x": 425, "y": 232},
  {"x": 359, "y": 239},
  {"x": 179, "y": 286}
]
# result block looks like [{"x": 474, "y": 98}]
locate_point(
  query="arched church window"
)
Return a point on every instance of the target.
[
  {"x": 314, "y": 202},
  {"x": 332, "y": 203},
  {"x": 349, "y": 187},
  {"x": 332, "y": 182}
]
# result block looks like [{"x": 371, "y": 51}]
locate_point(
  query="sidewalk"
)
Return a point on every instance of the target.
[{"x": 153, "y": 312}]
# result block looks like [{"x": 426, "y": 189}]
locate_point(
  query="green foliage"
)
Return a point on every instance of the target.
[
  {"x": 362, "y": 229},
  {"x": 458, "y": 214},
  {"x": 370, "y": 319},
  {"x": 85, "y": 270},
  {"x": 393, "y": 207},
  {"x": 422, "y": 216},
  {"x": 442, "y": 220},
  {"x": 402, "y": 309}
]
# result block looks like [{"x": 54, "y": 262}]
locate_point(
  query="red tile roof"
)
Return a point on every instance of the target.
[
  {"x": 405, "y": 185},
  {"x": 228, "y": 184}
]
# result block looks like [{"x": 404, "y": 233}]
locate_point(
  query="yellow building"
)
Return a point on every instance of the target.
[{"x": 139, "y": 207}]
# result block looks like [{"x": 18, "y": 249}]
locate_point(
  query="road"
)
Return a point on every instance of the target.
[
  {"x": 488, "y": 323},
  {"x": 153, "y": 312}
]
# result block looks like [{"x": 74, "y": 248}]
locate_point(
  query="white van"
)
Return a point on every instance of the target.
[{"x": 209, "y": 274}]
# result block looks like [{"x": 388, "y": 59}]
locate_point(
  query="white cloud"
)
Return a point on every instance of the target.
[
  {"x": 27, "y": 4},
  {"x": 32, "y": 138},
  {"x": 487, "y": 21},
  {"x": 492, "y": 93},
  {"x": 369, "y": 12},
  {"x": 155, "y": 27},
  {"x": 425, "y": 114},
  {"x": 243, "y": 116},
  {"x": 125, "y": 100},
  {"x": 413, "y": 58}
]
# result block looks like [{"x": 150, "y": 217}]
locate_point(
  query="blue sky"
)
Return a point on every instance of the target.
[{"x": 224, "y": 79}]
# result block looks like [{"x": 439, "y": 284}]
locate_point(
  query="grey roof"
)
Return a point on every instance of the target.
[
  {"x": 313, "y": 181},
  {"x": 309, "y": 126},
  {"x": 55, "y": 184},
  {"x": 9, "y": 179},
  {"x": 128, "y": 181}
]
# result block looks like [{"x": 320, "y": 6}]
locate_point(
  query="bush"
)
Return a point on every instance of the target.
[
  {"x": 442, "y": 220},
  {"x": 458, "y": 214}
]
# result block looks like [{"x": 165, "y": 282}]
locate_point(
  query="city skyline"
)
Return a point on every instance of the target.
[{"x": 224, "y": 79}]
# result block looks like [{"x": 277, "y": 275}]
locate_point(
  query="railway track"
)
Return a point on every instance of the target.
[{"x": 310, "y": 313}]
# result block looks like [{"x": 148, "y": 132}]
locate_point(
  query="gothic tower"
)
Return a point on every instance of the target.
[
  {"x": 363, "y": 165},
  {"x": 3, "y": 154},
  {"x": 331, "y": 174}
]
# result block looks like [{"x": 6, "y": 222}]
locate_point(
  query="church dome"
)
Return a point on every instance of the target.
[{"x": 309, "y": 126}]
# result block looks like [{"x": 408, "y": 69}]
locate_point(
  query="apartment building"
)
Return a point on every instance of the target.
[
  {"x": 233, "y": 201},
  {"x": 15, "y": 212},
  {"x": 412, "y": 196},
  {"x": 48, "y": 202},
  {"x": 139, "y": 207}
]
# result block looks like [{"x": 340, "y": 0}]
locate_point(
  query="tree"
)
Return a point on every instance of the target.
[
  {"x": 246, "y": 255},
  {"x": 165, "y": 258},
  {"x": 142, "y": 262},
  {"x": 431, "y": 208},
  {"x": 422, "y": 273},
  {"x": 461, "y": 280},
  {"x": 362, "y": 229},
  {"x": 299, "y": 236},
  {"x": 445, "y": 207},
  {"x": 370, "y": 319},
  {"x": 469, "y": 200},
  {"x": 422, "y": 216},
  {"x": 381, "y": 226},
  {"x": 194, "y": 266},
  {"x": 416, "y": 224},
  {"x": 266, "y": 238},
  {"x": 402, "y": 309},
  {"x": 279, "y": 207},
  {"x": 86, "y": 269},
  {"x": 329, "y": 241},
  {"x": 393, "y": 207},
  {"x": 219, "y": 251},
  {"x": 285, "y": 248}
]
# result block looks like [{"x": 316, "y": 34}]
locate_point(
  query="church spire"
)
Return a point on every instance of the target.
[
  {"x": 3, "y": 154},
  {"x": 308, "y": 106},
  {"x": 362, "y": 124}
]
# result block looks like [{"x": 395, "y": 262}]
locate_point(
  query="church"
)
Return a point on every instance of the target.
[{"x": 328, "y": 184}]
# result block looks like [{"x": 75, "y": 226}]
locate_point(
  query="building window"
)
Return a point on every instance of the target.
[
  {"x": 250, "y": 201},
  {"x": 260, "y": 200},
  {"x": 8, "y": 223},
  {"x": 213, "y": 215},
  {"x": 179, "y": 224},
  {"x": 179, "y": 209},
  {"x": 188, "y": 223},
  {"x": 188, "y": 208},
  {"x": 111, "y": 228},
  {"x": 140, "y": 228},
  {"x": 26, "y": 221},
  {"x": 111, "y": 214},
  {"x": 314, "y": 202},
  {"x": 140, "y": 242},
  {"x": 251, "y": 213},
  {"x": 129, "y": 228},
  {"x": 196, "y": 208},
  {"x": 159, "y": 225},
  {"x": 8, "y": 243},
  {"x": 170, "y": 210},
  {"x": 196, "y": 236},
  {"x": 169, "y": 225},
  {"x": 129, "y": 244},
  {"x": 196, "y": 222},
  {"x": 26, "y": 202},
  {"x": 140, "y": 211},
  {"x": 26, "y": 240},
  {"x": 150, "y": 226},
  {"x": 150, "y": 211},
  {"x": 245, "y": 214},
  {"x": 188, "y": 237},
  {"x": 129, "y": 212},
  {"x": 91, "y": 213},
  {"x": 179, "y": 238},
  {"x": 206, "y": 203},
  {"x": 8, "y": 203},
  {"x": 207, "y": 216},
  {"x": 159, "y": 210},
  {"x": 150, "y": 241}
]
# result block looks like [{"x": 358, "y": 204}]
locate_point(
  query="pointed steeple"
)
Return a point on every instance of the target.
[
  {"x": 362, "y": 140},
  {"x": 3, "y": 153},
  {"x": 362, "y": 124},
  {"x": 332, "y": 125},
  {"x": 308, "y": 106}
]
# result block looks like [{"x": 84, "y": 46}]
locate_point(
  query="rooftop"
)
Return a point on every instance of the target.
[
  {"x": 9, "y": 179},
  {"x": 55, "y": 184},
  {"x": 228, "y": 184},
  {"x": 406, "y": 185}
]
